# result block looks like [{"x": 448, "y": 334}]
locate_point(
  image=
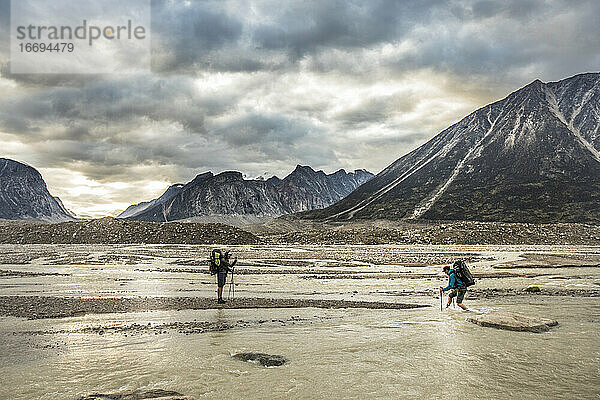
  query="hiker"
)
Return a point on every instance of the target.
[
  {"x": 225, "y": 266},
  {"x": 457, "y": 288}
]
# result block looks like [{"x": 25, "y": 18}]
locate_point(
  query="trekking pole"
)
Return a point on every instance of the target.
[
  {"x": 231, "y": 288},
  {"x": 441, "y": 300},
  {"x": 229, "y": 292}
]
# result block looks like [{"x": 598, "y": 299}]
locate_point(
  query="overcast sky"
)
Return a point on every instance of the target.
[{"x": 260, "y": 86}]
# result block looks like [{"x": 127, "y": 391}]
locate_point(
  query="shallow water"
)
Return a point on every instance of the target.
[{"x": 352, "y": 353}]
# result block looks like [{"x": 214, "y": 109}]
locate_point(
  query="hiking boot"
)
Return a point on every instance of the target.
[{"x": 220, "y": 301}]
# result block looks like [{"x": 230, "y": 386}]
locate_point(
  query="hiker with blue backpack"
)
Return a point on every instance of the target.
[{"x": 459, "y": 279}]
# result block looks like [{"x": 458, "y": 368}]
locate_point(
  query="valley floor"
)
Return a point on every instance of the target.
[{"x": 88, "y": 318}]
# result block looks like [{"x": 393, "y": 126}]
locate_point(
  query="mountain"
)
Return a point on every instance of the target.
[
  {"x": 304, "y": 189},
  {"x": 24, "y": 195},
  {"x": 530, "y": 157},
  {"x": 136, "y": 209},
  {"x": 230, "y": 198}
]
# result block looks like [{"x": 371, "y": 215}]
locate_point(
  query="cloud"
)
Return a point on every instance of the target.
[
  {"x": 378, "y": 109},
  {"x": 308, "y": 27},
  {"x": 185, "y": 33},
  {"x": 259, "y": 86}
]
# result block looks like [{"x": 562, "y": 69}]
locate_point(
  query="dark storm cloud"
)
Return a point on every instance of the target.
[
  {"x": 306, "y": 27},
  {"x": 519, "y": 9},
  {"x": 112, "y": 101},
  {"x": 263, "y": 85},
  {"x": 377, "y": 110},
  {"x": 515, "y": 41},
  {"x": 184, "y": 33},
  {"x": 16, "y": 124},
  {"x": 260, "y": 128}
]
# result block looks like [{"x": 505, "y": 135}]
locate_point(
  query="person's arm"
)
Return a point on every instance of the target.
[
  {"x": 233, "y": 263},
  {"x": 451, "y": 281}
]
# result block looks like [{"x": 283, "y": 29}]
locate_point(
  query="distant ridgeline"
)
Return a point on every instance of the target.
[
  {"x": 531, "y": 157},
  {"x": 229, "y": 198}
]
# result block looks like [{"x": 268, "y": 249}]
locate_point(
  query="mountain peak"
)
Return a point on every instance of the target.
[
  {"x": 24, "y": 194},
  {"x": 202, "y": 177},
  {"x": 274, "y": 180},
  {"x": 593, "y": 76},
  {"x": 533, "y": 156},
  {"x": 303, "y": 168},
  {"x": 229, "y": 176},
  {"x": 8, "y": 166},
  {"x": 535, "y": 86}
]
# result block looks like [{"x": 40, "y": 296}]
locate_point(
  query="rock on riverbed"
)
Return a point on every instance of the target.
[
  {"x": 513, "y": 322},
  {"x": 266, "y": 360},
  {"x": 156, "y": 394}
]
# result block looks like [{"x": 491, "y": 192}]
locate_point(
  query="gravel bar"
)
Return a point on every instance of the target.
[{"x": 38, "y": 307}]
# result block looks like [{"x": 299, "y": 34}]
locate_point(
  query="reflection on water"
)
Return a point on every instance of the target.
[{"x": 335, "y": 353}]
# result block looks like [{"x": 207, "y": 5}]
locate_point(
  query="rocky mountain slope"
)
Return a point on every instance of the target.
[
  {"x": 140, "y": 207},
  {"x": 530, "y": 157},
  {"x": 230, "y": 198},
  {"x": 24, "y": 195}
]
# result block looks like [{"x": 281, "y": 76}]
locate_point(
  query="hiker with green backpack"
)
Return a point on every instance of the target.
[
  {"x": 459, "y": 279},
  {"x": 221, "y": 265}
]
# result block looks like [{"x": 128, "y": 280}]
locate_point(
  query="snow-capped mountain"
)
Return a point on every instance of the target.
[
  {"x": 24, "y": 195},
  {"x": 530, "y": 157},
  {"x": 227, "y": 195}
]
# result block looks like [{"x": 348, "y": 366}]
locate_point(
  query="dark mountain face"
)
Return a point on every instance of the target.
[
  {"x": 228, "y": 194},
  {"x": 136, "y": 209},
  {"x": 531, "y": 157},
  {"x": 24, "y": 195},
  {"x": 304, "y": 189}
]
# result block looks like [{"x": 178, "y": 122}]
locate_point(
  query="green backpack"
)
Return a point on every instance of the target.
[{"x": 216, "y": 258}]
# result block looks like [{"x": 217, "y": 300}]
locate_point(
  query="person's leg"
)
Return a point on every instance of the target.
[
  {"x": 460, "y": 298},
  {"x": 451, "y": 295},
  {"x": 220, "y": 283}
]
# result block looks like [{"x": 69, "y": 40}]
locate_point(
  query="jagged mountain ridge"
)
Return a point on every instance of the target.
[
  {"x": 229, "y": 194},
  {"x": 24, "y": 195},
  {"x": 530, "y": 157}
]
